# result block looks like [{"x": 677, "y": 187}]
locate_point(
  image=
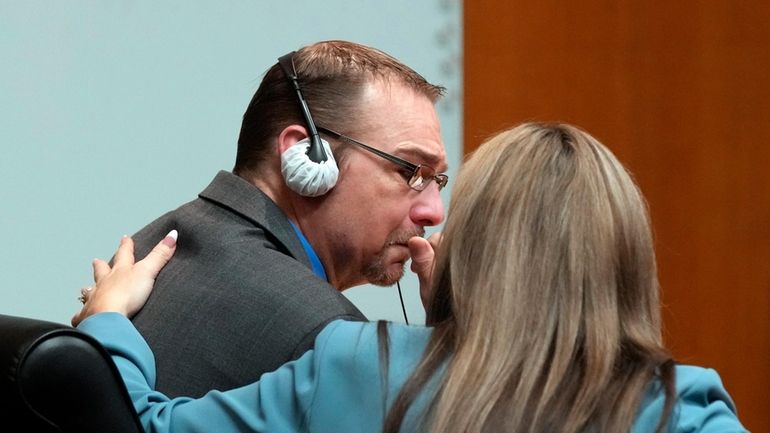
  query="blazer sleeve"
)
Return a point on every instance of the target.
[
  {"x": 278, "y": 402},
  {"x": 704, "y": 406}
]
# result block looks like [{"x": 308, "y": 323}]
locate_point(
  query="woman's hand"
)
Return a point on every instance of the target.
[
  {"x": 423, "y": 252},
  {"x": 125, "y": 287}
]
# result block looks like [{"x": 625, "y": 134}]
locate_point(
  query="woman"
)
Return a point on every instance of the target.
[{"x": 543, "y": 316}]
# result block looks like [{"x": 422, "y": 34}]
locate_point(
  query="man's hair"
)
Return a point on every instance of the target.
[
  {"x": 333, "y": 76},
  {"x": 545, "y": 297}
]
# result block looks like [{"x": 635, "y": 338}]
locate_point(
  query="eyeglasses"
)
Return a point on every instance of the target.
[{"x": 418, "y": 176}]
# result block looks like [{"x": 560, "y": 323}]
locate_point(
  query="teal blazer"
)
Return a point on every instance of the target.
[{"x": 337, "y": 387}]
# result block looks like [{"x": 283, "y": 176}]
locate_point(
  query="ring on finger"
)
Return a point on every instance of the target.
[{"x": 84, "y": 294}]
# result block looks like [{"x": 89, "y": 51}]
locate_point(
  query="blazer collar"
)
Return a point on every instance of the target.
[{"x": 245, "y": 199}]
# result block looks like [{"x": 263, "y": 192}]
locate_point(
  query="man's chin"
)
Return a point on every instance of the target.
[
  {"x": 389, "y": 266},
  {"x": 386, "y": 276}
]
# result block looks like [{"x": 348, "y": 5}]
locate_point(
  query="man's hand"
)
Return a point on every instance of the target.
[{"x": 423, "y": 252}]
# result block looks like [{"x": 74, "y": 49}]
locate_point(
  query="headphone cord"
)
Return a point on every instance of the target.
[{"x": 403, "y": 308}]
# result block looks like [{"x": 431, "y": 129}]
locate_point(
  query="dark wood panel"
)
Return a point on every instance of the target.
[{"x": 681, "y": 94}]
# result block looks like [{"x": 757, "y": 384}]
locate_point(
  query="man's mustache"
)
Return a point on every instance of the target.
[{"x": 402, "y": 237}]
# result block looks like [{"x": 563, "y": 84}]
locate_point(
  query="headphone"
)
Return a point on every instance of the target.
[{"x": 308, "y": 167}]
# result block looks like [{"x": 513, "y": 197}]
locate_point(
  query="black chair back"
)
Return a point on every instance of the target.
[{"x": 55, "y": 378}]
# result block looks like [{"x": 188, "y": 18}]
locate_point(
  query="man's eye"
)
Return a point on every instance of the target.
[{"x": 406, "y": 173}]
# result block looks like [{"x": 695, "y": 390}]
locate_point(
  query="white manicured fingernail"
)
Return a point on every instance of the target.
[{"x": 170, "y": 239}]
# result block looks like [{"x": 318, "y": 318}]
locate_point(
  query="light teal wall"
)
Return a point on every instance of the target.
[{"x": 113, "y": 112}]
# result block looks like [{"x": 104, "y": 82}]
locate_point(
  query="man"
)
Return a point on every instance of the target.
[{"x": 259, "y": 266}]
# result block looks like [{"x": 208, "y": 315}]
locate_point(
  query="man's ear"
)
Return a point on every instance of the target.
[
  {"x": 290, "y": 136},
  {"x": 303, "y": 175}
]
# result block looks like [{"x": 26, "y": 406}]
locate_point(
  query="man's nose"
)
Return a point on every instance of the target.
[{"x": 428, "y": 208}]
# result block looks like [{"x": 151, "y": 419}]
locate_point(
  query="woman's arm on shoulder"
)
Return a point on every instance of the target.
[{"x": 280, "y": 401}]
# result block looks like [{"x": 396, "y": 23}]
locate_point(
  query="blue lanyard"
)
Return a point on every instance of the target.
[{"x": 315, "y": 262}]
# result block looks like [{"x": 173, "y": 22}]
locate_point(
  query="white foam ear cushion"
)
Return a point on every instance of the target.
[{"x": 306, "y": 177}]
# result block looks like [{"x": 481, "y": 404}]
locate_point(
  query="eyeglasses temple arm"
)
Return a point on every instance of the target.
[{"x": 389, "y": 157}]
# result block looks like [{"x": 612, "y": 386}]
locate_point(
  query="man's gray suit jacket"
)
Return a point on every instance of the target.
[{"x": 238, "y": 298}]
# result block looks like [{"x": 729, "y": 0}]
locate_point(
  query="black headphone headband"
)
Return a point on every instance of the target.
[{"x": 315, "y": 152}]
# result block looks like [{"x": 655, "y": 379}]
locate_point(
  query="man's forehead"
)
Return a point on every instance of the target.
[{"x": 404, "y": 122}]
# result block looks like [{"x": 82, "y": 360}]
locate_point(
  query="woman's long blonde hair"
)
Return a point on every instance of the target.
[{"x": 545, "y": 301}]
